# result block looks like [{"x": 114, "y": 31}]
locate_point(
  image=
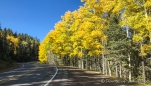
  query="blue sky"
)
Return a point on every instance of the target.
[{"x": 34, "y": 17}]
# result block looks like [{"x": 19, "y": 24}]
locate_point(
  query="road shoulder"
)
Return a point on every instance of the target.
[
  {"x": 79, "y": 77},
  {"x": 10, "y": 67}
]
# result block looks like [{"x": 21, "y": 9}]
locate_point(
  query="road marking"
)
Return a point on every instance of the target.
[
  {"x": 17, "y": 76},
  {"x": 52, "y": 77}
]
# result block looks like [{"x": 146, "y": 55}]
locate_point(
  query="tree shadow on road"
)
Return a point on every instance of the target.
[{"x": 78, "y": 77}]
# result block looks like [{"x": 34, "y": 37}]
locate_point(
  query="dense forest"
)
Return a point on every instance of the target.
[
  {"x": 111, "y": 36},
  {"x": 17, "y": 47}
]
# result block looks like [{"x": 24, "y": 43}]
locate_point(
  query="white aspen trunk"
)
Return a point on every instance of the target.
[
  {"x": 109, "y": 68},
  {"x": 143, "y": 67},
  {"x": 127, "y": 31},
  {"x": 99, "y": 67},
  {"x": 91, "y": 64},
  {"x": 124, "y": 73},
  {"x": 96, "y": 63},
  {"x": 120, "y": 70},
  {"x": 143, "y": 73},
  {"x": 103, "y": 65},
  {"x": 130, "y": 76},
  {"x": 103, "y": 69},
  {"x": 86, "y": 62},
  {"x": 79, "y": 63},
  {"x": 82, "y": 64},
  {"x": 116, "y": 69},
  {"x": 106, "y": 66}
]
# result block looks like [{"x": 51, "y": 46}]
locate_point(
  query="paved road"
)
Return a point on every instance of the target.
[
  {"x": 36, "y": 74},
  {"x": 30, "y": 74}
]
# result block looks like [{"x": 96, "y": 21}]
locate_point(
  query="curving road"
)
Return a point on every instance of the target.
[
  {"x": 36, "y": 74},
  {"x": 30, "y": 74}
]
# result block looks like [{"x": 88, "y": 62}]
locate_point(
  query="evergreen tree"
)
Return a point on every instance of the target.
[
  {"x": 17, "y": 47},
  {"x": 117, "y": 44}
]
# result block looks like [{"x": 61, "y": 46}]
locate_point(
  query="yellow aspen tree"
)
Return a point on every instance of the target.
[
  {"x": 102, "y": 10},
  {"x": 136, "y": 15},
  {"x": 42, "y": 53},
  {"x": 92, "y": 28},
  {"x": 14, "y": 41},
  {"x": 45, "y": 46},
  {"x": 60, "y": 37}
]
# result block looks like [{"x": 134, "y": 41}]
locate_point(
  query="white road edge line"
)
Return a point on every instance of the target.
[{"x": 52, "y": 77}]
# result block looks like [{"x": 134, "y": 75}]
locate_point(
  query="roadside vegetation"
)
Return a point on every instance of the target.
[
  {"x": 111, "y": 36},
  {"x": 3, "y": 64}
]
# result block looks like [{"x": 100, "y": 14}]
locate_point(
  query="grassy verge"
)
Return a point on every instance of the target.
[
  {"x": 6, "y": 66},
  {"x": 3, "y": 64}
]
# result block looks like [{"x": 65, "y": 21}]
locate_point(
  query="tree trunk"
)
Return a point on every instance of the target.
[
  {"x": 82, "y": 63},
  {"x": 94, "y": 62},
  {"x": 116, "y": 69},
  {"x": 130, "y": 75},
  {"x": 79, "y": 63},
  {"x": 106, "y": 66},
  {"x": 108, "y": 63},
  {"x": 86, "y": 62},
  {"x": 124, "y": 73},
  {"x": 98, "y": 63},
  {"x": 143, "y": 67},
  {"x": 103, "y": 69},
  {"x": 127, "y": 32},
  {"x": 90, "y": 65},
  {"x": 143, "y": 73},
  {"x": 103, "y": 61},
  {"x": 76, "y": 61},
  {"x": 120, "y": 70}
]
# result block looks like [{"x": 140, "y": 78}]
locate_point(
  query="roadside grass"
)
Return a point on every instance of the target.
[
  {"x": 148, "y": 84},
  {"x": 6, "y": 66}
]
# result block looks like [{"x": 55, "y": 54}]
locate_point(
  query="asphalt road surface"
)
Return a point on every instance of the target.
[
  {"x": 30, "y": 74},
  {"x": 36, "y": 74}
]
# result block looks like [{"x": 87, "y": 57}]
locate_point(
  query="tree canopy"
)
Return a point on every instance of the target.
[{"x": 112, "y": 36}]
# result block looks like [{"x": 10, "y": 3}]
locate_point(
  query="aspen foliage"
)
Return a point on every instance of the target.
[
  {"x": 13, "y": 41},
  {"x": 42, "y": 53},
  {"x": 79, "y": 31},
  {"x": 136, "y": 16},
  {"x": 81, "y": 36},
  {"x": 83, "y": 29}
]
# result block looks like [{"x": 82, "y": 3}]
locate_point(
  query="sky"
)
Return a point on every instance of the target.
[{"x": 34, "y": 17}]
